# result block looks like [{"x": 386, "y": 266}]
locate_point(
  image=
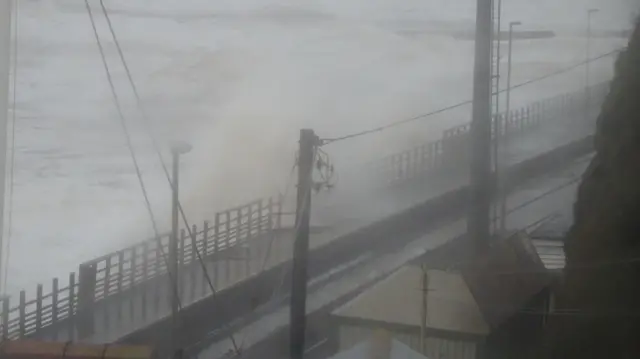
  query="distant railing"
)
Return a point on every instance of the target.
[
  {"x": 451, "y": 152},
  {"x": 122, "y": 273}
]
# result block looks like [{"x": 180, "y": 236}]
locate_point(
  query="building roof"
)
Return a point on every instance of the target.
[
  {"x": 482, "y": 294},
  {"x": 554, "y": 228},
  {"x": 369, "y": 349},
  {"x": 399, "y": 300},
  {"x": 505, "y": 278},
  {"x": 551, "y": 253}
]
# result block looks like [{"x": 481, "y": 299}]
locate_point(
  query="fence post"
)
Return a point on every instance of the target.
[
  {"x": 133, "y": 289},
  {"x": 38, "y": 308},
  {"x": 22, "y": 313},
  {"x": 71, "y": 318},
  {"x": 262, "y": 230},
  {"x": 86, "y": 299},
  {"x": 238, "y": 244},
  {"x": 227, "y": 248},
  {"x": 195, "y": 266},
  {"x": 5, "y": 318},
  {"x": 270, "y": 215},
  {"x": 107, "y": 278},
  {"x": 279, "y": 211},
  {"x": 182, "y": 250},
  {"x": 120, "y": 279},
  {"x": 159, "y": 257},
  {"x": 216, "y": 249},
  {"x": 54, "y": 307},
  {"x": 247, "y": 248},
  {"x": 145, "y": 279},
  {"x": 205, "y": 239}
]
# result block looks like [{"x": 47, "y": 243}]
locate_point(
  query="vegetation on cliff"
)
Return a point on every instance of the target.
[{"x": 600, "y": 304}]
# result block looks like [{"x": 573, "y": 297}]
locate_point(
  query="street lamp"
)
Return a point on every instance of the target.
[
  {"x": 177, "y": 150},
  {"x": 506, "y": 118},
  {"x": 590, "y": 12}
]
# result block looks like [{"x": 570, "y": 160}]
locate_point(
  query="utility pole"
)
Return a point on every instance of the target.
[
  {"x": 308, "y": 143},
  {"x": 507, "y": 117},
  {"x": 174, "y": 288},
  {"x": 478, "y": 220},
  {"x": 425, "y": 310},
  {"x": 590, "y": 13},
  {"x": 496, "y": 77},
  {"x": 5, "y": 60}
]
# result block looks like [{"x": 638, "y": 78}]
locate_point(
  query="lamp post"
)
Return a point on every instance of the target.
[
  {"x": 177, "y": 150},
  {"x": 507, "y": 117},
  {"x": 590, "y": 13}
]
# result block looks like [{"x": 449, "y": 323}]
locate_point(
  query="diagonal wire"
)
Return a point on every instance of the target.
[
  {"x": 464, "y": 103},
  {"x": 276, "y": 290},
  {"x": 283, "y": 198},
  {"x": 123, "y": 124},
  {"x": 159, "y": 154}
]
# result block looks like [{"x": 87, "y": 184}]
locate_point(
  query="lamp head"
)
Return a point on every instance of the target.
[{"x": 181, "y": 148}]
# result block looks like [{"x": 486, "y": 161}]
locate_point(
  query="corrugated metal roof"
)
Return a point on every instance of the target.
[
  {"x": 555, "y": 227},
  {"x": 363, "y": 350},
  {"x": 551, "y": 253},
  {"x": 398, "y": 300}
]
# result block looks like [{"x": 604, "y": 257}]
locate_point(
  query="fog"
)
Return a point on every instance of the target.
[{"x": 237, "y": 80}]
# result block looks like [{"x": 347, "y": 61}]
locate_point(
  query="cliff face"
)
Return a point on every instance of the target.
[{"x": 601, "y": 295}]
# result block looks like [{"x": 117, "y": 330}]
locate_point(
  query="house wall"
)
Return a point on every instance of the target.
[
  {"x": 435, "y": 347},
  {"x": 520, "y": 336}
]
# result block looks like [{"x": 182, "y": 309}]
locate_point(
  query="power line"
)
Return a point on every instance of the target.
[
  {"x": 464, "y": 103},
  {"x": 282, "y": 198},
  {"x": 159, "y": 154},
  {"x": 123, "y": 124}
]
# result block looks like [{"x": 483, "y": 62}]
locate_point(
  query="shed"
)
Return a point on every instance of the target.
[
  {"x": 479, "y": 307},
  {"x": 453, "y": 326}
]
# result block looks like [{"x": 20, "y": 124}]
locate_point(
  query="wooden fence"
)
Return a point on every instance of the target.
[{"x": 121, "y": 273}]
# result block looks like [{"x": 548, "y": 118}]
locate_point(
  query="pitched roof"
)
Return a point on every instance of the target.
[
  {"x": 554, "y": 228},
  {"x": 504, "y": 279},
  {"x": 398, "y": 300},
  {"x": 551, "y": 253}
]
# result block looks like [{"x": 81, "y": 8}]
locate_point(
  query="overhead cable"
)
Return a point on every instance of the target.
[
  {"x": 461, "y": 104},
  {"x": 159, "y": 154},
  {"x": 132, "y": 154}
]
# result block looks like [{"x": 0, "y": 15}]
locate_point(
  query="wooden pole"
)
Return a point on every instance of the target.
[
  {"x": 308, "y": 143},
  {"x": 425, "y": 313},
  {"x": 478, "y": 223}
]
